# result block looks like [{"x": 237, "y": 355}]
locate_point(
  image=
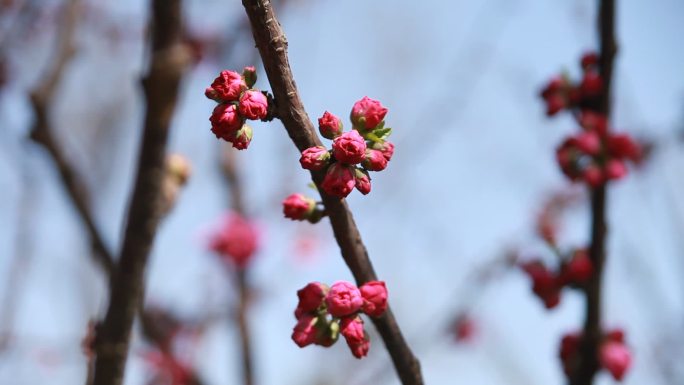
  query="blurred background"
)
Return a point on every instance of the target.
[{"x": 473, "y": 168}]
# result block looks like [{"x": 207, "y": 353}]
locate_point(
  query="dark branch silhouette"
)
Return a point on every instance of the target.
[
  {"x": 589, "y": 364},
  {"x": 168, "y": 60}
]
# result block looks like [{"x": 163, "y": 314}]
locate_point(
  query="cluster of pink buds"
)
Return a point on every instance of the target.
[
  {"x": 354, "y": 153},
  {"x": 299, "y": 207},
  {"x": 547, "y": 284},
  {"x": 562, "y": 93},
  {"x": 237, "y": 102},
  {"x": 324, "y": 313},
  {"x": 613, "y": 354},
  {"x": 236, "y": 240},
  {"x": 595, "y": 155}
]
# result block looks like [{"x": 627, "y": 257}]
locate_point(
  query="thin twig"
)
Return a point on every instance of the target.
[
  {"x": 589, "y": 364},
  {"x": 168, "y": 60},
  {"x": 272, "y": 44},
  {"x": 232, "y": 177},
  {"x": 42, "y": 133}
]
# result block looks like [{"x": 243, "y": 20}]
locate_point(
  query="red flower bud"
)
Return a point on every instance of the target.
[
  {"x": 367, "y": 113},
  {"x": 349, "y": 148},
  {"x": 374, "y": 295},
  {"x": 314, "y": 158},
  {"x": 329, "y": 125},
  {"x": 298, "y": 207},
  {"x": 253, "y": 105},
  {"x": 339, "y": 181},
  {"x": 227, "y": 87},
  {"x": 362, "y": 181}
]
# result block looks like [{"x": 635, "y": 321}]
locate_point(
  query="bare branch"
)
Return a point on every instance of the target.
[
  {"x": 168, "y": 61},
  {"x": 272, "y": 44}
]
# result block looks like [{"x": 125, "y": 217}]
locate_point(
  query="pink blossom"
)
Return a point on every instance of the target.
[
  {"x": 314, "y": 158},
  {"x": 374, "y": 295},
  {"x": 367, "y": 113},
  {"x": 304, "y": 332},
  {"x": 298, "y": 207},
  {"x": 579, "y": 269},
  {"x": 225, "y": 121},
  {"x": 343, "y": 299},
  {"x": 544, "y": 283},
  {"x": 588, "y": 142},
  {"x": 236, "y": 240},
  {"x": 329, "y": 125},
  {"x": 362, "y": 181},
  {"x": 616, "y": 358},
  {"x": 591, "y": 85},
  {"x": 593, "y": 175},
  {"x": 253, "y": 105},
  {"x": 243, "y": 137},
  {"x": 615, "y": 169},
  {"x": 339, "y": 181},
  {"x": 387, "y": 150},
  {"x": 355, "y": 335},
  {"x": 311, "y": 296},
  {"x": 589, "y": 59},
  {"x": 227, "y": 87},
  {"x": 349, "y": 148},
  {"x": 375, "y": 160},
  {"x": 623, "y": 146}
]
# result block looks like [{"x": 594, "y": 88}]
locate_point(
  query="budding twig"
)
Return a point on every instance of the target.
[
  {"x": 589, "y": 364},
  {"x": 168, "y": 61},
  {"x": 272, "y": 44},
  {"x": 233, "y": 181}
]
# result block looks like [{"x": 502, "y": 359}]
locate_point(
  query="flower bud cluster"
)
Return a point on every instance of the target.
[
  {"x": 547, "y": 284},
  {"x": 354, "y": 153},
  {"x": 236, "y": 240},
  {"x": 595, "y": 155},
  {"x": 323, "y": 313},
  {"x": 614, "y": 355},
  {"x": 237, "y": 103}
]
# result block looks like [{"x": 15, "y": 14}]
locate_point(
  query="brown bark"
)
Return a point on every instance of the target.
[
  {"x": 592, "y": 332},
  {"x": 272, "y": 44},
  {"x": 168, "y": 60}
]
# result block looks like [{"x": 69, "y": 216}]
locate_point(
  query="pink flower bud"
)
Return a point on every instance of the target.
[
  {"x": 592, "y": 121},
  {"x": 589, "y": 59},
  {"x": 616, "y": 335},
  {"x": 343, "y": 299},
  {"x": 579, "y": 269},
  {"x": 554, "y": 104},
  {"x": 314, "y": 158},
  {"x": 387, "y": 150},
  {"x": 362, "y": 181},
  {"x": 235, "y": 240},
  {"x": 375, "y": 160},
  {"x": 250, "y": 76},
  {"x": 593, "y": 175},
  {"x": 298, "y": 207},
  {"x": 544, "y": 283},
  {"x": 355, "y": 335},
  {"x": 243, "y": 137},
  {"x": 311, "y": 297},
  {"x": 616, "y": 358},
  {"x": 253, "y": 105},
  {"x": 367, "y": 113},
  {"x": 226, "y": 87},
  {"x": 591, "y": 85},
  {"x": 556, "y": 85},
  {"x": 589, "y": 143},
  {"x": 623, "y": 146},
  {"x": 339, "y": 181},
  {"x": 304, "y": 332},
  {"x": 568, "y": 352},
  {"x": 615, "y": 169},
  {"x": 225, "y": 121},
  {"x": 329, "y": 125},
  {"x": 349, "y": 148},
  {"x": 374, "y": 295}
]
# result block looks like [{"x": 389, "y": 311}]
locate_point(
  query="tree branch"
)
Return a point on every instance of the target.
[
  {"x": 592, "y": 334},
  {"x": 168, "y": 61},
  {"x": 272, "y": 44},
  {"x": 234, "y": 184},
  {"x": 42, "y": 133}
]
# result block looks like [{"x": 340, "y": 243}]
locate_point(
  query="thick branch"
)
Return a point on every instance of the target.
[
  {"x": 168, "y": 60},
  {"x": 589, "y": 364},
  {"x": 272, "y": 44}
]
